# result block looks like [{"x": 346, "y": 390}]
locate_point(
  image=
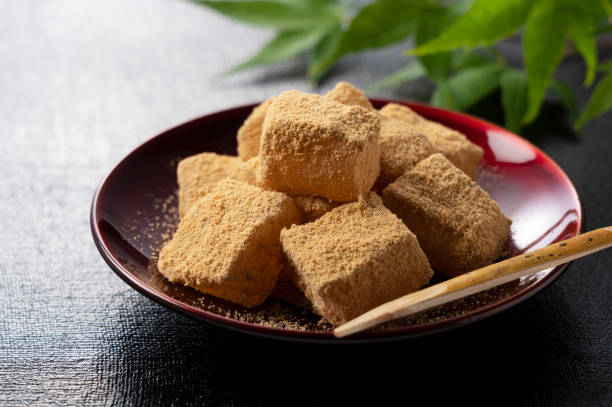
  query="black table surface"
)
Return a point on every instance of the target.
[{"x": 81, "y": 83}]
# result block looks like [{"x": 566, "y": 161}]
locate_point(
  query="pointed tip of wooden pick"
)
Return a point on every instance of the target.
[
  {"x": 338, "y": 333},
  {"x": 345, "y": 329}
]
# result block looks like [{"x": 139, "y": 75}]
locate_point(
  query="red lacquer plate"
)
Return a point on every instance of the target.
[{"x": 134, "y": 210}]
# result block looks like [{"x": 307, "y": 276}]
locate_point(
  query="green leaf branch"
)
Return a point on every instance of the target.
[{"x": 454, "y": 46}]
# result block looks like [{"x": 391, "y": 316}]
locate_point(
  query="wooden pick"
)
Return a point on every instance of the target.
[{"x": 481, "y": 279}]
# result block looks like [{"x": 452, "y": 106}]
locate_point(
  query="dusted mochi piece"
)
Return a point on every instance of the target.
[
  {"x": 285, "y": 290},
  {"x": 312, "y": 145},
  {"x": 458, "y": 225},
  {"x": 354, "y": 258},
  {"x": 313, "y": 207},
  {"x": 249, "y": 134},
  {"x": 228, "y": 243},
  {"x": 347, "y": 94},
  {"x": 401, "y": 148},
  {"x": 246, "y": 172},
  {"x": 454, "y": 145},
  {"x": 197, "y": 176}
]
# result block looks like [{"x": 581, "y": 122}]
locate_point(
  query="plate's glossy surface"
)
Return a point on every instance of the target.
[{"x": 134, "y": 210}]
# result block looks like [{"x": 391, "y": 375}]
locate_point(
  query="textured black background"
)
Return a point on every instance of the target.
[{"x": 81, "y": 82}]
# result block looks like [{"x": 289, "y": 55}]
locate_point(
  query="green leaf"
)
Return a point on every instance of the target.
[
  {"x": 484, "y": 24},
  {"x": 584, "y": 18},
  {"x": 543, "y": 44},
  {"x": 383, "y": 23},
  {"x": 284, "y": 46},
  {"x": 514, "y": 97},
  {"x": 443, "y": 97},
  {"x": 582, "y": 32},
  {"x": 599, "y": 103},
  {"x": 467, "y": 59},
  {"x": 377, "y": 25},
  {"x": 566, "y": 96},
  {"x": 460, "y": 7},
  {"x": 606, "y": 29},
  {"x": 413, "y": 70},
  {"x": 468, "y": 86},
  {"x": 429, "y": 26},
  {"x": 283, "y": 15},
  {"x": 607, "y": 7},
  {"x": 323, "y": 50},
  {"x": 605, "y": 67}
]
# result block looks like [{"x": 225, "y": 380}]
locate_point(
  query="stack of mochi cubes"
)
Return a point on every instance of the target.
[{"x": 332, "y": 206}]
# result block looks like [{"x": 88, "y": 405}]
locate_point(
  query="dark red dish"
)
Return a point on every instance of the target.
[{"x": 133, "y": 211}]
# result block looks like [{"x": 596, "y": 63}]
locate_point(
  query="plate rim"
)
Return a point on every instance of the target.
[{"x": 325, "y": 337}]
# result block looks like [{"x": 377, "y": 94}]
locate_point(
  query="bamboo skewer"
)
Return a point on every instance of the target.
[{"x": 481, "y": 279}]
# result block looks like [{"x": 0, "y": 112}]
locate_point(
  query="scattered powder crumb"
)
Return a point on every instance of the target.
[
  {"x": 149, "y": 230},
  {"x": 458, "y": 307}
]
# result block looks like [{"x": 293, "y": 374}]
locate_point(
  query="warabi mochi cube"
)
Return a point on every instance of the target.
[
  {"x": 459, "y": 226},
  {"x": 454, "y": 145},
  {"x": 354, "y": 258},
  {"x": 249, "y": 134},
  {"x": 401, "y": 148},
  {"x": 347, "y": 94},
  {"x": 312, "y": 145},
  {"x": 246, "y": 171},
  {"x": 197, "y": 175},
  {"x": 228, "y": 243}
]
